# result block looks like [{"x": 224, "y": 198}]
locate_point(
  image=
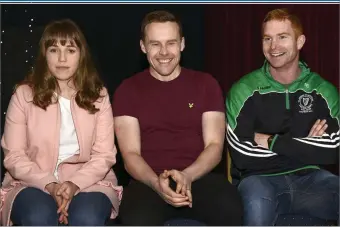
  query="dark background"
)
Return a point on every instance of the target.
[{"x": 222, "y": 39}]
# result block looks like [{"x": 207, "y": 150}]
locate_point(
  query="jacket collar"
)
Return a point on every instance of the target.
[{"x": 305, "y": 71}]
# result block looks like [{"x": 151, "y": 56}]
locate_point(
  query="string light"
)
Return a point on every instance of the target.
[
  {"x": 24, "y": 60},
  {"x": 27, "y": 39},
  {"x": 29, "y": 56}
]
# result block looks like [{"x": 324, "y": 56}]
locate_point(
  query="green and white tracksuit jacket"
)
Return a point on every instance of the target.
[{"x": 258, "y": 103}]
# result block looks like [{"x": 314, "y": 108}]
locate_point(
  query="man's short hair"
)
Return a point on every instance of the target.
[{"x": 160, "y": 16}]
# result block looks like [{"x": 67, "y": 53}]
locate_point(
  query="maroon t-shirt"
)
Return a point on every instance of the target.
[{"x": 169, "y": 115}]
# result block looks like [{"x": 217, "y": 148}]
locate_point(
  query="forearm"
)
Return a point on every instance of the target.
[
  {"x": 21, "y": 168},
  {"x": 308, "y": 150},
  {"x": 205, "y": 162},
  {"x": 136, "y": 166},
  {"x": 94, "y": 170}
]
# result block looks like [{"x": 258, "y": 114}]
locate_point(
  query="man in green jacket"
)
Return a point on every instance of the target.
[{"x": 283, "y": 124}]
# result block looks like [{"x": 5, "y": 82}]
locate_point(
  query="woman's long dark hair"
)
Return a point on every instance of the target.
[{"x": 86, "y": 79}]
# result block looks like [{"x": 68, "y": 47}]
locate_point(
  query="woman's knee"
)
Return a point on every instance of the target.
[
  {"x": 93, "y": 208},
  {"x": 34, "y": 207},
  {"x": 45, "y": 216}
]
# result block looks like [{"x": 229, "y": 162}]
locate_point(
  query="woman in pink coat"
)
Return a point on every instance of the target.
[{"x": 59, "y": 139}]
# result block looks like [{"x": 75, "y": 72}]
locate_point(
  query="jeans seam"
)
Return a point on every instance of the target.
[
  {"x": 276, "y": 212},
  {"x": 290, "y": 193}
]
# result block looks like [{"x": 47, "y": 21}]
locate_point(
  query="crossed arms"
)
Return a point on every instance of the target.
[{"x": 250, "y": 150}]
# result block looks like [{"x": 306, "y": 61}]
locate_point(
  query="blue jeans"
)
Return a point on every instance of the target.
[
  {"x": 35, "y": 207},
  {"x": 307, "y": 192}
]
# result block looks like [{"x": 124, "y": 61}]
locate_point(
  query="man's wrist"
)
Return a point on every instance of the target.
[
  {"x": 187, "y": 174},
  {"x": 270, "y": 141},
  {"x": 154, "y": 183}
]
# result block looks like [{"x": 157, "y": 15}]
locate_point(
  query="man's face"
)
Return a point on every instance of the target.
[
  {"x": 163, "y": 46},
  {"x": 280, "y": 45}
]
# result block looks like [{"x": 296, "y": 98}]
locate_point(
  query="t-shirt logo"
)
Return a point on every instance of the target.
[
  {"x": 191, "y": 105},
  {"x": 305, "y": 103}
]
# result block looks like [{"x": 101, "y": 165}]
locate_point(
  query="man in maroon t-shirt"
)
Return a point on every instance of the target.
[{"x": 170, "y": 126}]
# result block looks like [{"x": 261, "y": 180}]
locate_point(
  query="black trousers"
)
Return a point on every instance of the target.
[{"x": 215, "y": 202}]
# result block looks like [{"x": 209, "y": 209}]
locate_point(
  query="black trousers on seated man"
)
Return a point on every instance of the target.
[{"x": 215, "y": 202}]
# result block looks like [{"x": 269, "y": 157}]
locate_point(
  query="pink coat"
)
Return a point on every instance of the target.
[{"x": 31, "y": 144}]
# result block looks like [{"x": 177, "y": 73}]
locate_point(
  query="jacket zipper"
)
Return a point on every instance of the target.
[{"x": 287, "y": 100}]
